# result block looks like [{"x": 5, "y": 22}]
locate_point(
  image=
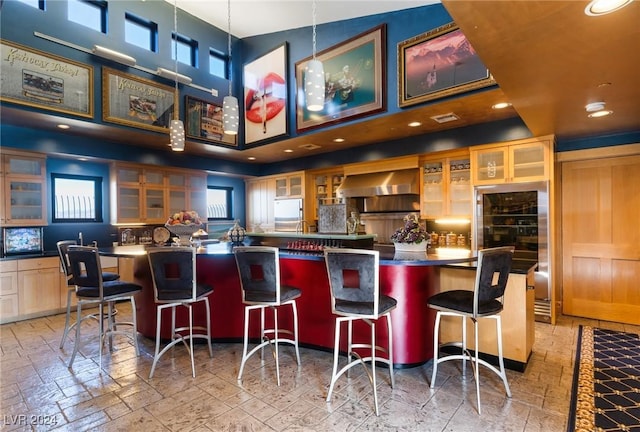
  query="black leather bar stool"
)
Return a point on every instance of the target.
[
  {"x": 354, "y": 279},
  {"x": 62, "y": 247},
  {"x": 91, "y": 289},
  {"x": 485, "y": 301},
  {"x": 259, "y": 270},
  {"x": 173, "y": 270}
]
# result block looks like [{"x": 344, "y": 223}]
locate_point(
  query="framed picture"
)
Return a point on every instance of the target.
[
  {"x": 37, "y": 79},
  {"x": 265, "y": 96},
  {"x": 354, "y": 81},
  {"x": 203, "y": 121},
  {"x": 438, "y": 63},
  {"x": 133, "y": 101}
]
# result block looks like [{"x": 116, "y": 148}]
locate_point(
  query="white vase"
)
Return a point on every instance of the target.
[{"x": 411, "y": 247}]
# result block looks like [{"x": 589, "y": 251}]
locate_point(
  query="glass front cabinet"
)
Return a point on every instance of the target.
[
  {"x": 23, "y": 183},
  {"x": 446, "y": 190}
]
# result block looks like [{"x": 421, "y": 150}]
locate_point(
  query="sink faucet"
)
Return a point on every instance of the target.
[{"x": 300, "y": 226}]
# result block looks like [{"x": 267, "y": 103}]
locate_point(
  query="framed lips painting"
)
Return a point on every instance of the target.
[{"x": 265, "y": 96}]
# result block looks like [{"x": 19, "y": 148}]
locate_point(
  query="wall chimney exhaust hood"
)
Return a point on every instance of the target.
[{"x": 381, "y": 183}]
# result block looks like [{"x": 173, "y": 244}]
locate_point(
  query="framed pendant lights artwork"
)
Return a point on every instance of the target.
[
  {"x": 437, "y": 64},
  {"x": 265, "y": 85},
  {"x": 354, "y": 80}
]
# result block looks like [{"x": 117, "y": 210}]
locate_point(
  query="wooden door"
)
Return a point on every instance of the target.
[{"x": 601, "y": 238}]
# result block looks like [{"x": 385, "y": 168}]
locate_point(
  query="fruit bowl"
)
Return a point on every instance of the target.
[{"x": 183, "y": 232}]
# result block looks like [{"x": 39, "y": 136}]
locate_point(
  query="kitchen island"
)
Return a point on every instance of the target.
[{"x": 410, "y": 279}]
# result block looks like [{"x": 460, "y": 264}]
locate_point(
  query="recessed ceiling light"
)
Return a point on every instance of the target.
[
  {"x": 251, "y": 158},
  {"x": 288, "y": 151},
  {"x": 501, "y": 105},
  {"x": 601, "y": 113},
  {"x": 63, "y": 126},
  {"x": 338, "y": 140},
  {"x": 414, "y": 124},
  {"x": 603, "y": 7}
]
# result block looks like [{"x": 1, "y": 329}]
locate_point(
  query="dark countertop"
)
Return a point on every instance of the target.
[
  {"x": 516, "y": 267},
  {"x": 45, "y": 254},
  {"x": 387, "y": 254}
]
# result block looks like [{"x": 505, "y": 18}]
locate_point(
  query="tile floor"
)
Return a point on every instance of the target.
[{"x": 39, "y": 392}]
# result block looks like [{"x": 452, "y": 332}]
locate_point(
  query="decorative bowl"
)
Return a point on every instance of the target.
[{"x": 183, "y": 232}]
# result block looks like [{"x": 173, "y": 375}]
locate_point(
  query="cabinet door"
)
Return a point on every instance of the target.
[
  {"x": 490, "y": 166},
  {"x": 129, "y": 175},
  {"x": 198, "y": 195},
  {"x": 295, "y": 186},
  {"x": 129, "y": 199},
  {"x": 529, "y": 162},
  {"x": 38, "y": 290},
  {"x": 8, "y": 296},
  {"x": 459, "y": 193},
  {"x": 433, "y": 193},
  {"x": 26, "y": 200},
  {"x": 24, "y": 166},
  {"x": 154, "y": 205},
  {"x": 282, "y": 189}
]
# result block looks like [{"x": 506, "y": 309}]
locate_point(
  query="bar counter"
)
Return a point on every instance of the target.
[{"x": 410, "y": 278}]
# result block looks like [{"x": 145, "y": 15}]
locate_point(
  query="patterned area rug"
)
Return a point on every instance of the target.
[{"x": 606, "y": 382}]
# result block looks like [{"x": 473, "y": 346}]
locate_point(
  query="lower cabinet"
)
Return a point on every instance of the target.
[
  {"x": 518, "y": 320},
  {"x": 38, "y": 286},
  {"x": 8, "y": 291}
]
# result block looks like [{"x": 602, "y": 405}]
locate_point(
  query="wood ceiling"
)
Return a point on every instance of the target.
[{"x": 548, "y": 58}]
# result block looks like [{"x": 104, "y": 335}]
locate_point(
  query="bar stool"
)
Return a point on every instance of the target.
[
  {"x": 86, "y": 272},
  {"x": 485, "y": 301},
  {"x": 62, "y": 247},
  {"x": 173, "y": 270},
  {"x": 259, "y": 270},
  {"x": 355, "y": 295}
]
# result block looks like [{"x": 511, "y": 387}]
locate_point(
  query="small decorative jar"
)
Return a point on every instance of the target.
[{"x": 236, "y": 233}]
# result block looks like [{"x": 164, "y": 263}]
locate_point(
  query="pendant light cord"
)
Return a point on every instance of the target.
[
  {"x": 313, "y": 17},
  {"x": 229, "y": 40},
  {"x": 175, "y": 52}
]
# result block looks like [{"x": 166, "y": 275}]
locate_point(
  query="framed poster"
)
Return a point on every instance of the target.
[
  {"x": 40, "y": 80},
  {"x": 354, "y": 80},
  {"x": 133, "y": 101},
  {"x": 265, "y": 96},
  {"x": 203, "y": 121},
  {"x": 438, "y": 63}
]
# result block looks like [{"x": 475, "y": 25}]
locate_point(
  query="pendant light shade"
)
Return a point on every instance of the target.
[
  {"x": 314, "y": 85},
  {"x": 314, "y": 75},
  {"x": 230, "y": 115},
  {"x": 176, "y": 135}
]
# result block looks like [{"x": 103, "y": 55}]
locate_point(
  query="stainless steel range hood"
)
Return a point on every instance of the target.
[{"x": 381, "y": 183}]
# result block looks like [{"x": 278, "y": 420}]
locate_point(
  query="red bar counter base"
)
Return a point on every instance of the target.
[{"x": 411, "y": 283}]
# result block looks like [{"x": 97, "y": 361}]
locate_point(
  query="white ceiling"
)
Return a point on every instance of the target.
[{"x": 257, "y": 17}]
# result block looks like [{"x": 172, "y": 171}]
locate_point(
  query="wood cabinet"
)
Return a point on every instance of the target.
[
  {"x": 8, "y": 291},
  {"x": 518, "y": 321},
  {"x": 519, "y": 161},
  {"x": 260, "y": 194},
  {"x": 149, "y": 195},
  {"x": 38, "y": 286},
  {"x": 322, "y": 188},
  {"x": 24, "y": 187},
  {"x": 446, "y": 187},
  {"x": 290, "y": 186}
]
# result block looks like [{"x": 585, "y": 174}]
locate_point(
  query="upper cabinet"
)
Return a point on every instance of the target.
[
  {"x": 260, "y": 194},
  {"x": 446, "y": 186},
  {"x": 521, "y": 161},
  {"x": 290, "y": 186},
  {"x": 24, "y": 189},
  {"x": 150, "y": 195}
]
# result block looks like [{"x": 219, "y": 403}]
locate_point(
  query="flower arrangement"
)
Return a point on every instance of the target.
[
  {"x": 412, "y": 231},
  {"x": 184, "y": 217}
]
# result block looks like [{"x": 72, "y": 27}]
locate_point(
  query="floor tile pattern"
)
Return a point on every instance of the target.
[{"x": 38, "y": 391}]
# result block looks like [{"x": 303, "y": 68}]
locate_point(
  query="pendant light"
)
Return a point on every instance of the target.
[
  {"x": 176, "y": 128},
  {"x": 230, "y": 113},
  {"x": 314, "y": 75}
]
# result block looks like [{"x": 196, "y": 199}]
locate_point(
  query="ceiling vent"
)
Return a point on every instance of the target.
[
  {"x": 444, "y": 118},
  {"x": 309, "y": 146}
]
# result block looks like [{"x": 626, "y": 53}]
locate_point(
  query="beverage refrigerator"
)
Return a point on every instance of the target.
[{"x": 517, "y": 215}]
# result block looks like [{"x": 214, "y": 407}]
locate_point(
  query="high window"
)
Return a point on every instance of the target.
[
  {"x": 76, "y": 198},
  {"x": 141, "y": 32},
  {"x": 89, "y": 13},
  {"x": 219, "y": 203},
  {"x": 187, "y": 49},
  {"x": 38, "y": 4},
  {"x": 218, "y": 63}
]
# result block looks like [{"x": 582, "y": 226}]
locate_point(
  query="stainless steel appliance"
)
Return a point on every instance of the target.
[
  {"x": 287, "y": 214},
  {"x": 517, "y": 215}
]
